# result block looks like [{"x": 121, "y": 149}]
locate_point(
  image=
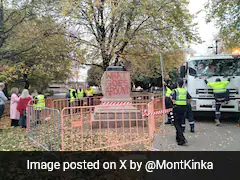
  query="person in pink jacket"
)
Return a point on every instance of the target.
[{"x": 14, "y": 114}]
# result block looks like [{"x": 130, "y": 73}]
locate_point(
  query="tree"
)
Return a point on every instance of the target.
[
  {"x": 9, "y": 20},
  {"x": 115, "y": 27},
  {"x": 49, "y": 60},
  {"x": 94, "y": 75},
  {"x": 146, "y": 68},
  {"x": 15, "y": 12},
  {"x": 226, "y": 16}
]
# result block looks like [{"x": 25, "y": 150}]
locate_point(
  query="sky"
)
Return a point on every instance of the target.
[{"x": 206, "y": 32}]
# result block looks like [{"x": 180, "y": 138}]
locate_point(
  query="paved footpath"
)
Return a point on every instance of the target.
[{"x": 207, "y": 137}]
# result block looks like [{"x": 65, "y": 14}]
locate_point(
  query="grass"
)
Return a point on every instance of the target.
[
  {"x": 83, "y": 138},
  {"x": 15, "y": 139}
]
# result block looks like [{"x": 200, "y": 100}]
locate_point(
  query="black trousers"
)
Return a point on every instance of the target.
[
  {"x": 189, "y": 116},
  {"x": 1, "y": 110},
  {"x": 179, "y": 118},
  {"x": 14, "y": 122},
  {"x": 39, "y": 116},
  {"x": 168, "y": 105},
  {"x": 219, "y": 99},
  {"x": 80, "y": 102},
  {"x": 90, "y": 101},
  {"x": 227, "y": 94},
  {"x": 218, "y": 104},
  {"x": 222, "y": 95}
]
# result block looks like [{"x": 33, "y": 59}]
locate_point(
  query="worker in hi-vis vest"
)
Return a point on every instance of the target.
[
  {"x": 89, "y": 93},
  {"x": 168, "y": 101},
  {"x": 179, "y": 97},
  {"x": 72, "y": 97},
  {"x": 72, "y": 93},
  {"x": 221, "y": 94},
  {"x": 39, "y": 105},
  {"x": 80, "y": 95}
]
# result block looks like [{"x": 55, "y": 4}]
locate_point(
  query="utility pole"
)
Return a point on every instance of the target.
[
  {"x": 218, "y": 40},
  {"x": 216, "y": 47},
  {"x": 1, "y": 17}
]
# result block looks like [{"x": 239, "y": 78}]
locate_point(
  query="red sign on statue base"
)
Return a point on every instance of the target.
[{"x": 116, "y": 87}]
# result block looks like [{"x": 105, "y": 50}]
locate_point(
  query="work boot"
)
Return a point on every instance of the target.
[
  {"x": 181, "y": 143},
  {"x": 217, "y": 122},
  {"x": 168, "y": 122},
  {"x": 192, "y": 130}
]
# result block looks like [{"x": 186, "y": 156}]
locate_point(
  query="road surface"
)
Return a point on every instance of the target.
[{"x": 207, "y": 137}]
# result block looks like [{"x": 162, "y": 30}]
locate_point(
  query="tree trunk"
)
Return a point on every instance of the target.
[
  {"x": 106, "y": 61},
  {"x": 1, "y": 17},
  {"x": 26, "y": 84},
  {"x": 5, "y": 90},
  {"x": 25, "y": 78},
  {"x": 1, "y": 23}
]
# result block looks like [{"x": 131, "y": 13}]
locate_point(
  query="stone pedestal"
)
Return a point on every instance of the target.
[
  {"x": 116, "y": 87},
  {"x": 119, "y": 116}
]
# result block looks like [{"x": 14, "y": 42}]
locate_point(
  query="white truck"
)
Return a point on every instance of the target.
[{"x": 212, "y": 67}]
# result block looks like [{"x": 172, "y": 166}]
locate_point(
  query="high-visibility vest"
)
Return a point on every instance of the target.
[
  {"x": 80, "y": 93},
  {"x": 168, "y": 92},
  {"x": 218, "y": 87},
  {"x": 40, "y": 103},
  {"x": 89, "y": 92},
  {"x": 181, "y": 97},
  {"x": 91, "y": 88},
  {"x": 72, "y": 98}
]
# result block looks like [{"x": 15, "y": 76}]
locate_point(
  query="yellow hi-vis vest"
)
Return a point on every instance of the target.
[
  {"x": 89, "y": 92},
  {"x": 181, "y": 97},
  {"x": 41, "y": 102},
  {"x": 80, "y": 93},
  {"x": 71, "y": 95},
  {"x": 168, "y": 92},
  {"x": 218, "y": 87}
]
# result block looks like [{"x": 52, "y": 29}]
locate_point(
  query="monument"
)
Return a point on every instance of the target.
[{"x": 116, "y": 85}]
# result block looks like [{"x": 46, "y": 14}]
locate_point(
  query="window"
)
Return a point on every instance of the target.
[{"x": 215, "y": 67}]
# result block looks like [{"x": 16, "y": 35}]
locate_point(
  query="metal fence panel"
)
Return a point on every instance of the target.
[
  {"x": 48, "y": 102},
  {"x": 96, "y": 100},
  {"x": 119, "y": 128},
  {"x": 144, "y": 98},
  {"x": 80, "y": 128},
  {"x": 43, "y": 127},
  {"x": 85, "y": 101}
]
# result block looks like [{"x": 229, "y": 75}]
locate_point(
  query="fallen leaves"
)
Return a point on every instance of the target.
[{"x": 14, "y": 139}]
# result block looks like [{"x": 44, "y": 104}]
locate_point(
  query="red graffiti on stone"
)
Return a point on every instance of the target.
[{"x": 117, "y": 83}]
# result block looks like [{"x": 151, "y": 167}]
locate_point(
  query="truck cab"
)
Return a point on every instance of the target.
[{"x": 212, "y": 67}]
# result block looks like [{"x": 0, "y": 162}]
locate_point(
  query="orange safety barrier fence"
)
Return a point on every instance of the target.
[
  {"x": 158, "y": 106},
  {"x": 144, "y": 98},
  {"x": 67, "y": 102},
  {"x": 96, "y": 100},
  {"x": 48, "y": 102},
  {"x": 89, "y": 128},
  {"x": 93, "y": 128}
]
